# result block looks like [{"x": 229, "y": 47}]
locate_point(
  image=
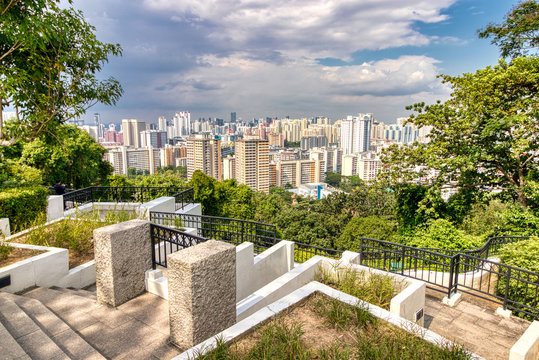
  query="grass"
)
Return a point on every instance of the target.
[
  {"x": 5, "y": 249},
  {"x": 75, "y": 234},
  {"x": 377, "y": 289},
  {"x": 359, "y": 335}
]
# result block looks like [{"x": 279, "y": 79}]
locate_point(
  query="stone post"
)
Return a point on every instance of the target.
[
  {"x": 4, "y": 227},
  {"x": 201, "y": 292},
  {"x": 123, "y": 253},
  {"x": 55, "y": 207}
]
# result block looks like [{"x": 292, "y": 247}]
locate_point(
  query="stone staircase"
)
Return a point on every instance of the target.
[{"x": 58, "y": 323}]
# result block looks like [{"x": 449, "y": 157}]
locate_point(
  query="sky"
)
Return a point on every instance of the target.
[{"x": 297, "y": 58}]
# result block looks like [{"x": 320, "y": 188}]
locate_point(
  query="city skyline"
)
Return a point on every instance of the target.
[{"x": 286, "y": 58}]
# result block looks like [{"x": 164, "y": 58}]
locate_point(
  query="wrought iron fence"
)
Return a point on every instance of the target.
[
  {"x": 234, "y": 231},
  {"x": 513, "y": 288},
  {"x": 166, "y": 241},
  {"x": 183, "y": 195}
]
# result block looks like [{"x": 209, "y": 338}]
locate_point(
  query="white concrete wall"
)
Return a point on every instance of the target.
[
  {"x": 102, "y": 208},
  {"x": 408, "y": 302},
  {"x": 252, "y": 273},
  {"x": 190, "y": 209},
  {"x": 527, "y": 347},
  {"x": 161, "y": 204},
  {"x": 47, "y": 269},
  {"x": 4, "y": 227},
  {"x": 55, "y": 207},
  {"x": 278, "y": 288}
]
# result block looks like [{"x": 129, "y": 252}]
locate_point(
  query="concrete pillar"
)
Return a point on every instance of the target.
[
  {"x": 123, "y": 253},
  {"x": 201, "y": 292},
  {"x": 527, "y": 347},
  {"x": 4, "y": 227},
  {"x": 55, "y": 207}
]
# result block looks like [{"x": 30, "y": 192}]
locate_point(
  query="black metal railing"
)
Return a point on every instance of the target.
[
  {"x": 233, "y": 231},
  {"x": 432, "y": 267},
  {"x": 166, "y": 241},
  {"x": 140, "y": 194},
  {"x": 513, "y": 288},
  {"x": 443, "y": 270}
]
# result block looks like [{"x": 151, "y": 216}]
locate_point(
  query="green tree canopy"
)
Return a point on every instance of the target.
[
  {"x": 77, "y": 160},
  {"x": 518, "y": 35},
  {"x": 484, "y": 137},
  {"x": 49, "y": 58}
]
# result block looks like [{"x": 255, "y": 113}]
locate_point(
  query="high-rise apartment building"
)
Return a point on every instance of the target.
[
  {"x": 356, "y": 133},
  {"x": 298, "y": 172},
  {"x": 142, "y": 159},
  {"x": 182, "y": 123},
  {"x": 233, "y": 117},
  {"x": 252, "y": 163},
  {"x": 131, "y": 129},
  {"x": 229, "y": 168},
  {"x": 204, "y": 154},
  {"x": 162, "y": 123},
  {"x": 154, "y": 138}
]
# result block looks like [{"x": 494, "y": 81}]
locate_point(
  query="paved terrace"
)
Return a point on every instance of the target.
[{"x": 474, "y": 324}]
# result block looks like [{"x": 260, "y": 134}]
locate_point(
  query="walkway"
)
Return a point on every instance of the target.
[{"x": 475, "y": 327}]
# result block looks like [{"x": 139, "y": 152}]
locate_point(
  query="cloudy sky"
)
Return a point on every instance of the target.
[{"x": 287, "y": 57}]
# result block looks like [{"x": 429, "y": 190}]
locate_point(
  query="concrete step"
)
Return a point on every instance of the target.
[
  {"x": 9, "y": 348},
  {"x": 80, "y": 292},
  {"x": 65, "y": 337},
  {"x": 73, "y": 309},
  {"x": 30, "y": 337}
]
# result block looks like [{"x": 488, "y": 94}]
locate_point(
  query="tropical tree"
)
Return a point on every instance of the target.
[
  {"x": 484, "y": 137},
  {"x": 49, "y": 58},
  {"x": 518, "y": 35}
]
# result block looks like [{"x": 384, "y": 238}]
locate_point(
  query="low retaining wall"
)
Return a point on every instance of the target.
[
  {"x": 247, "y": 324},
  {"x": 48, "y": 269},
  {"x": 252, "y": 272},
  {"x": 409, "y": 303},
  {"x": 527, "y": 347}
]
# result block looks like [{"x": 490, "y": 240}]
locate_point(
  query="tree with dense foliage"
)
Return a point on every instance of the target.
[
  {"x": 441, "y": 234},
  {"x": 373, "y": 227},
  {"x": 77, "y": 160},
  {"x": 484, "y": 137},
  {"x": 49, "y": 58},
  {"x": 518, "y": 35}
]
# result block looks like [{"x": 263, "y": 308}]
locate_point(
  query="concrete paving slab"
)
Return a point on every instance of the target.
[
  {"x": 39, "y": 346},
  {"x": 9, "y": 348}
]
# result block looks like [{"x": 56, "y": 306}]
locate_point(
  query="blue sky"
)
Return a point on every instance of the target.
[{"x": 288, "y": 57}]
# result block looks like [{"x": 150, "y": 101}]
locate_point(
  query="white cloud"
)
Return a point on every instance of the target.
[
  {"x": 316, "y": 28},
  {"x": 262, "y": 87}
]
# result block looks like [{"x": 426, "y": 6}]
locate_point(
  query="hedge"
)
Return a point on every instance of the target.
[
  {"x": 23, "y": 205},
  {"x": 524, "y": 255}
]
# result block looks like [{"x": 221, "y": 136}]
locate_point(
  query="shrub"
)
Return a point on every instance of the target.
[
  {"x": 442, "y": 234},
  {"x": 525, "y": 255},
  {"x": 483, "y": 220},
  {"x": 373, "y": 227},
  {"x": 23, "y": 205}
]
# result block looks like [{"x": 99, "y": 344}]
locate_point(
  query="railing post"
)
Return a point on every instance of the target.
[
  {"x": 403, "y": 255},
  {"x": 361, "y": 251},
  {"x": 152, "y": 243},
  {"x": 451, "y": 272},
  {"x": 142, "y": 194},
  {"x": 507, "y": 288}
]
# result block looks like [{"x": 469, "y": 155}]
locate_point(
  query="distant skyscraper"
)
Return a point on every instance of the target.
[
  {"x": 233, "y": 117},
  {"x": 356, "y": 133},
  {"x": 154, "y": 138},
  {"x": 97, "y": 121},
  {"x": 252, "y": 163},
  {"x": 182, "y": 123},
  {"x": 131, "y": 129},
  {"x": 162, "y": 123},
  {"x": 204, "y": 154}
]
